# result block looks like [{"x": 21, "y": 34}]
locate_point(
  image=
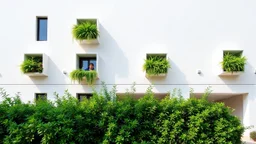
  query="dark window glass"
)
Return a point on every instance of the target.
[
  {"x": 42, "y": 29},
  {"x": 81, "y": 97},
  {"x": 85, "y": 62},
  {"x": 41, "y": 96}
]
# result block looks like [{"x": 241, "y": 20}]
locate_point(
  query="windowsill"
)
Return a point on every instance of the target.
[
  {"x": 224, "y": 73},
  {"x": 159, "y": 75},
  {"x": 89, "y": 42},
  {"x": 35, "y": 74}
]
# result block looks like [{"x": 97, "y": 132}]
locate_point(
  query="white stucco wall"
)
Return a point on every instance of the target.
[
  {"x": 235, "y": 103},
  {"x": 192, "y": 33}
]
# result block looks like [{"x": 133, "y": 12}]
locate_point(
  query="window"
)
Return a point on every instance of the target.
[
  {"x": 84, "y": 62},
  {"x": 41, "y": 29},
  {"x": 83, "y": 96},
  {"x": 41, "y": 96}
]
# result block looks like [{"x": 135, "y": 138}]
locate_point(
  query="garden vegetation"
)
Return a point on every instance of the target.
[{"x": 106, "y": 119}]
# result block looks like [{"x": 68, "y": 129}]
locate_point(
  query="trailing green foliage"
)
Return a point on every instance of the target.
[
  {"x": 88, "y": 76},
  {"x": 102, "y": 119},
  {"x": 85, "y": 31},
  {"x": 233, "y": 63},
  {"x": 253, "y": 135},
  {"x": 155, "y": 65},
  {"x": 32, "y": 64}
]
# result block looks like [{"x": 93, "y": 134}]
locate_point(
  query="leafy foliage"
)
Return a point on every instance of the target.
[
  {"x": 253, "y": 135},
  {"x": 102, "y": 119},
  {"x": 32, "y": 64},
  {"x": 155, "y": 65},
  {"x": 85, "y": 31},
  {"x": 79, "y": 75},
  {"x": 233, "y": 63}
]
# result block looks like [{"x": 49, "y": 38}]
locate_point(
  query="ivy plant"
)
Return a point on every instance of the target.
[
  {"x": 85, "y": 31},
  {"x": 155, "y": 65},
  {"x": 79, "y": 75},
  {"x": 233, "y": 62},
  {"x": 32, "y": 64}
]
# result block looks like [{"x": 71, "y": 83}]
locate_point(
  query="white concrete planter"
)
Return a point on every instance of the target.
[
  {"x": 89, "y": 42},
  {"x": 230, "y": 73},
  {"x": 159, "y": 75},
  {"x": 45, "y": 65},
  {"x": 36, "y": 74}
]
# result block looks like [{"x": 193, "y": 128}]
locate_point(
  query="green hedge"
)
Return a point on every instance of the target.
[{"x": 103, "y": 119}]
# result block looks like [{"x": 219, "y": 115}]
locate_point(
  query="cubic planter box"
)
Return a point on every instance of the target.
[
  {"x": 81, "y": 29},
  {"x": 224, "y": 73},
  {"x": 44, "y": 58},
  {"x": 233, "y": 63},
  {"x": 159, "y": 75},
  {"x": 156, "y": 65}
]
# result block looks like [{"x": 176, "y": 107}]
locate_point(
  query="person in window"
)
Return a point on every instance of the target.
[{"x": 91, "y": 67}]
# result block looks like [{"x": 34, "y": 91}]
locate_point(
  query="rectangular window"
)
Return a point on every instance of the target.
[
  {"x": 83, "y": 96},
  {"x": 41, "y": 96},
  {"x": 84, "y": 62},
  {"x": 42, "y": 29}
]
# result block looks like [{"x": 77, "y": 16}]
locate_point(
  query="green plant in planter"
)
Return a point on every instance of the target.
[
  {"x": 233, "y": 62},
  {"x": 155, "y": 65},
  {"x": 79, "y": 75},
  {"x": 253, "y": 135},
  {"x": 32, "y": 64},
  {"x": 85, "y": 31}
]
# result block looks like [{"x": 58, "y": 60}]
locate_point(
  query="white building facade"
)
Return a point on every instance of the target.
[{"x": 193, "y": 35}]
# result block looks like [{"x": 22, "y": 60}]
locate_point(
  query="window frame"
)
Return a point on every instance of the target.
[
  {"x": 81, "y": 59},
  {"x": 87, "y": 95},
  {"x": 37, "y": 97},
  {"x": 38, "y": 28}
]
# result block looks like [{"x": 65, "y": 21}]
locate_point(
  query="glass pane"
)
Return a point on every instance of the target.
[
  {"x": 42, "y": 29},
  {"x": 85, "y": 65}
]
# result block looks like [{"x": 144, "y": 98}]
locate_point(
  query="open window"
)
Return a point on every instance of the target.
[
  {"x": 84, "y": 61},
  {"x": 233, "y": 63},
  {"x": 156, "y": 65},
  {"x": 82, "y": 96},
  {"x": 86, "y": 69},
  {"x": 34, "y": 65},
  {"x": 40, "y": 96},
  {"x": 86, "y": 31}
]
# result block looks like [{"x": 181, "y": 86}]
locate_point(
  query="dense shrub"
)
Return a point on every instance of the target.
[
  {"x": 156, "y": 64},
  {"x": 253, "y": 135},
  {"x": 85, "y": 31},
  {"x": 103, "y": 119},
  {"x": 80, "y": 75},
  {"x": 32, "y": 64},
  {"x": 233, "y": 62}
]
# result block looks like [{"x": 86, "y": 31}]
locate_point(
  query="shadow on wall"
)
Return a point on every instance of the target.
[
  {"x": 247, "y": 76},
  {"x": 175, "y": 79},
  {"x": 112, "y": 60},
  {"x": 55, "y": 78}
]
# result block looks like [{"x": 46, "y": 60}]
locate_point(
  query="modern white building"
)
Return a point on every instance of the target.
[{"x": 193, "y": 35}]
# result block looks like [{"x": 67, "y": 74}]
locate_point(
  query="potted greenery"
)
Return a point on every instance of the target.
[
  {"x": 156, "y": 65},
  {"x": 86, "y": 32},
  {"x": 80, "y": 75},
  {"x": 32, "y": 65},
  {"x": 233, "y": 63},
  {"x": 253, "y": 135}
]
